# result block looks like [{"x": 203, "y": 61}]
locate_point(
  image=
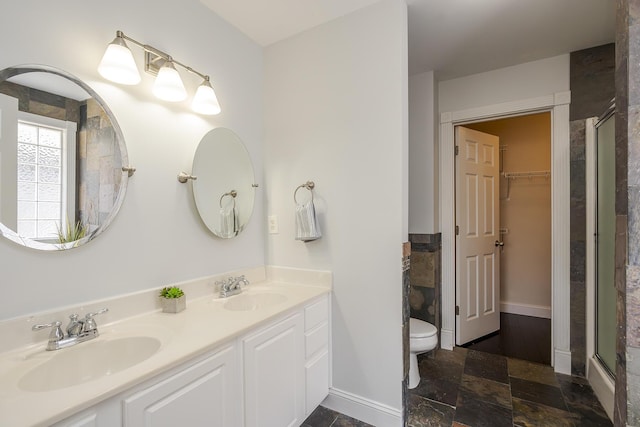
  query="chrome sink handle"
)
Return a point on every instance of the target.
[
  {"x": 56, "y": 334},
  {"x": 89, "y": 322},
  {"x": 242, "y": 280}
]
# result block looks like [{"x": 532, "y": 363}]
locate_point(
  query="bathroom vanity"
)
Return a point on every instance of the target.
[{"x": 260, "y": 358}]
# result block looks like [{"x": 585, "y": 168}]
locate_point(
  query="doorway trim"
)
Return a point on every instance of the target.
[{"x": 558, "y": 105}]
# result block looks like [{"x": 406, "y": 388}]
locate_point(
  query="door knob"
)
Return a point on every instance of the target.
[{"x": 499, "y": 243}]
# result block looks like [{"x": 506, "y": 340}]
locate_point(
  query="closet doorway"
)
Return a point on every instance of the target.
[{"x": 503, "y": 291}]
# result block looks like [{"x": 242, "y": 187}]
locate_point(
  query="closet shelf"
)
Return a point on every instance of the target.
[{"x": 517, "y": 175}]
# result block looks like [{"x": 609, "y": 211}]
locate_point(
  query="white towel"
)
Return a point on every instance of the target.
[
  {"x": 228, "y": 221},
  {"x": 307, "y": 228}
]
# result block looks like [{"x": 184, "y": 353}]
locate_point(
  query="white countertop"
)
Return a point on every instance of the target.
[{"x": 203, "y": 326}]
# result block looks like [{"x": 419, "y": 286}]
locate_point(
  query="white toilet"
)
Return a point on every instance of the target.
[{"x": 423, "y": 337}]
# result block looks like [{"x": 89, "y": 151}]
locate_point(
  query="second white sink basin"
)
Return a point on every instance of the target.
[
  {"x": 88, "y": 361},
  {"x": 250, "y": 302}
]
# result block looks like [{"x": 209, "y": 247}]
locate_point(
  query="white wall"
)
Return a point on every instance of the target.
[
  {"x": 335, "y": 113},
  {"x": 423, "y": 161},
  {"x": 157, "y": 237},
  {"x": 523, "y": 81},
  {"x": 8, "y": 161}
]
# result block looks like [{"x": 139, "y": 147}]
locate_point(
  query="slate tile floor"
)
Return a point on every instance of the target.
[
  {"x": 323, "y": 417},
  {"x": 470, "y": 388}
]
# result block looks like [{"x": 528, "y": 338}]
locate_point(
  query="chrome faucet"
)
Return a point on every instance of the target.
[
  {"x": 232, "y": 286},
  {"x": 77, "y": 331}
]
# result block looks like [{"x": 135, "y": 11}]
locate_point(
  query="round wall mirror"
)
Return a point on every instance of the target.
[
  {"x": 62, "y": 155},
  {"x": 225, "y": 185}
]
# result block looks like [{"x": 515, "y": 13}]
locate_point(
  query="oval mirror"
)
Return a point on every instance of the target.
[
  {"x": 224, "y": 188},
  {"x": 61, "y": 159}
]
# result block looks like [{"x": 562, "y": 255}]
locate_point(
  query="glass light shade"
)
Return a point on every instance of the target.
[
  {"x": 205, "y": 100},
  {"x": 118, "y": 64},
  {"x": 168, "y": 85}
]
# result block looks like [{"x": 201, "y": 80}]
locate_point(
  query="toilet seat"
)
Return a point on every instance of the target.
[{"x": 421, "y": 329}]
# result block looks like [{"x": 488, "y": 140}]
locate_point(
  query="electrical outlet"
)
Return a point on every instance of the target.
[{"x": 273, "y": 224}]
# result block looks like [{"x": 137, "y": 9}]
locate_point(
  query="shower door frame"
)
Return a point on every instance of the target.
[{"x": 602, "y": 383}]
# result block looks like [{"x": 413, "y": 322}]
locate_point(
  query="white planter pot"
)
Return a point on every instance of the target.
[{"x": 173, "y": 305}]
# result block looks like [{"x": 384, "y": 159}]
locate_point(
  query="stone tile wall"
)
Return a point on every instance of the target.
[
  {"x": 42, "y": 103},
  {"x": 425, "y": 278},
  {"x": 592, "y": 88},
  {"x": 99, "y": 165},
  {"x": 406, "y": 264},
  {"x": 627, "y": 400}
]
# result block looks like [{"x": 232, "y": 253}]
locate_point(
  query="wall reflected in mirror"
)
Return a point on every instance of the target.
[
  {"x": 61, "y": 159},
  {"x": 224, "y": 190}
]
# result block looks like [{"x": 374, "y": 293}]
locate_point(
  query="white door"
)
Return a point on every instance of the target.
[{"x": 478, "y": 235}]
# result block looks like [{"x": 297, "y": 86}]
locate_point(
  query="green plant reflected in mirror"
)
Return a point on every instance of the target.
[{"x": 63, "y": 160}]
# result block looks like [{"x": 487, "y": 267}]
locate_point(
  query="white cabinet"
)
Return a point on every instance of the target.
[
  {"x": 104, "y": 414},
  {"x": 286, "y": 368},
  {"x": 316, "y": 366},
  {"x": 204, "y": 394},
  {"x": 274, "y": 374}
]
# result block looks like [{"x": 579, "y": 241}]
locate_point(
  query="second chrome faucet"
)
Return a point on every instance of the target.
[{"x": 231, "y": 286}]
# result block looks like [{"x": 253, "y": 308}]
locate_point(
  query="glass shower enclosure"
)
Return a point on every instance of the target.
[{"x": 605, "y": 319}]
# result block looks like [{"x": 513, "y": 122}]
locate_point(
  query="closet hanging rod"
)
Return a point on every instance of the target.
[{"x": 533, "y": 174}]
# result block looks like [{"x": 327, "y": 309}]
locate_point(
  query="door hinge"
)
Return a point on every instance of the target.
[
  {"x": 457, "y": 150},
  {"x": 457, "y": 230},
  {"x": 457, "y": 310}
]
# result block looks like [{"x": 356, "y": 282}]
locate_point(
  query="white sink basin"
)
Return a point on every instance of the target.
[
  {"x": 88, "y": 361},
  {"x": 250, "y": 302}
]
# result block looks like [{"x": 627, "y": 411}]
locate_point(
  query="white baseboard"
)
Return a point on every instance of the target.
[
  {"x": 366, "y": 410},
  {"x": 446, "y": 339},
  {"x": 602, "y": 385},
  {"x": 526, "y": 309},
  {"x": 562, "y": 361}
]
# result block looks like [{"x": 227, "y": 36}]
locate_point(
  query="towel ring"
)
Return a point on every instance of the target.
[
  {"x": 232, "y": 193},
  {"x": 309, "y": 185}
]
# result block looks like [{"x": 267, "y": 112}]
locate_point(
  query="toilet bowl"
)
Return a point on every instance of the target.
[{"x": 423, "y": 337}]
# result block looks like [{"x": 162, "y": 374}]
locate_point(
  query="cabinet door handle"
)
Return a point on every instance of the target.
[{"x": 498, "y": 243}]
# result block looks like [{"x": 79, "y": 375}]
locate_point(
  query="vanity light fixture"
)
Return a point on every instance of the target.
[{"x": 118, "y": 65}]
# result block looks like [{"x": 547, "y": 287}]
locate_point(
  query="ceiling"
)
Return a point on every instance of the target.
[{"x": 452, "y": 37}]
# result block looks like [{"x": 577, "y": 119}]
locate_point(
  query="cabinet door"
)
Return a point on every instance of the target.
[
  {"x": 204, "y": 394},
  {"x": 104, "y": 414},
  {"x": 274, "y": 375}
]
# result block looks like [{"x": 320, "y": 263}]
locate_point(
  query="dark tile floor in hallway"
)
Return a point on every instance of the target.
[
  {"x": 470, "y": 388},
  {"x": 521, "y": 337}
]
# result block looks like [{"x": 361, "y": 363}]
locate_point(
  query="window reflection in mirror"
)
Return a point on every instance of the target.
[{"x": 61, "y": 158}]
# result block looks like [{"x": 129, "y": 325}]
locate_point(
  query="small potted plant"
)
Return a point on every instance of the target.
[{"x": 172, "y": 299}]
